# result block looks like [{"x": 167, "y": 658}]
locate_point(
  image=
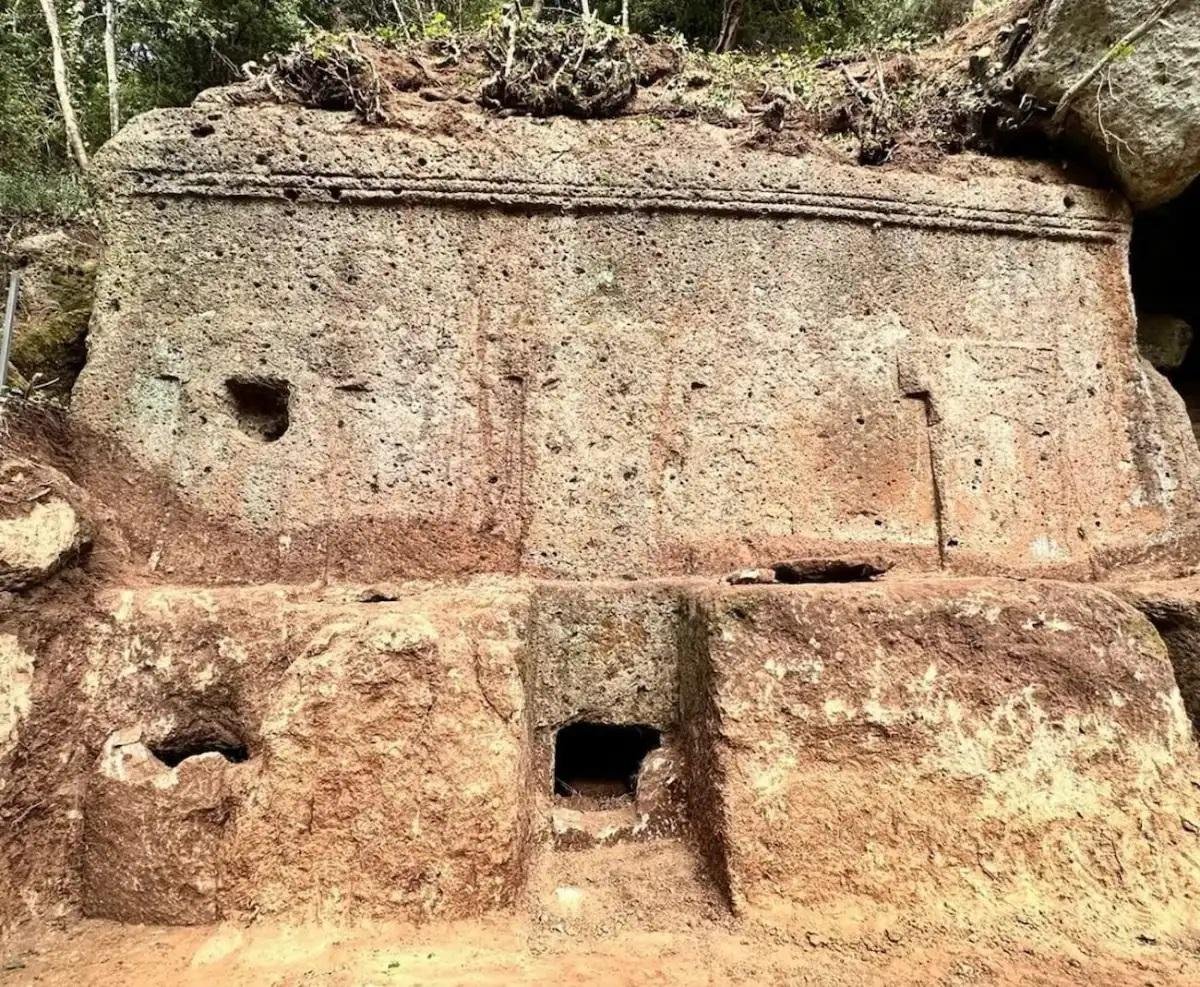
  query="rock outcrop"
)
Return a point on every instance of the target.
[
  {"x": 838, "y": 716},
  {"x": 42, "y": 528},
  {"x": 1133, "y": 100},
  {"x": 58, "y": 272},
  {"x": 152, "y": 835}
]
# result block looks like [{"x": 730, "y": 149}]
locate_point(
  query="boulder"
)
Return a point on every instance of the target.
[
  {"x": 1164, "y": 340},
  {"x": 41, "y": 527},
  {"x": 58, "y": 272},
  {"x": 1139, "y": 114}
]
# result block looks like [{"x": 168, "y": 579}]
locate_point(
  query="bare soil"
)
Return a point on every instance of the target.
[
  {"x": 625, "y": 914},
  {"x": 504, "y": 953}
]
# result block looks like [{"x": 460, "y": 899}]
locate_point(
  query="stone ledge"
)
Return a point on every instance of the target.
[
  {"x": 1005, "y": 728},
  {"x": 620, "y": 164}
]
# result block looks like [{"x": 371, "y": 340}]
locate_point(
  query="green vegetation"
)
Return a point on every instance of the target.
[
  {"x": 166, "y": 51},
  {"x": 56, "y": 196},
  {"x": 808, "y": 27}
]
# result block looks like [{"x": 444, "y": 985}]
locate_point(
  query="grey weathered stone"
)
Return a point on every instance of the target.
[
  {"x": 1164, "y": 340},
  {"x": 1140, "y": 115},
  {"x": 58, "y": 272}
]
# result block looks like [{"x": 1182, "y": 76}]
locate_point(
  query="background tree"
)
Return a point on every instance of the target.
[
  {"x": 118, "y": 58},
  {"x": 731, "y": 20},
  {"x": 110, "y": 65},
  {"x": 59, "y": 68}
]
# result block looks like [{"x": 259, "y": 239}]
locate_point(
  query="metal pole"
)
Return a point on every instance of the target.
[{"x": 10, "y": 314}]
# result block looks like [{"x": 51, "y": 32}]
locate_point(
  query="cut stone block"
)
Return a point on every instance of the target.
[
  {"x": 713, "y": 357},
  {"x": 153, "y": 836},
  {"x": 938, "y": 749}
]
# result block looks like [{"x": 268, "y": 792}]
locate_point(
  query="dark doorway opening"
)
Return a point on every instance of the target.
[
  {"x": 1162, "y": 268},
  {"x": 600, "y": 760},
  {"x": 828, "y": 570}
]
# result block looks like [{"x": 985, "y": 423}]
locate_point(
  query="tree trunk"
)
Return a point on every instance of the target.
[
  {"x": 625, "y": 16},
  {"x": 110, "y": 65},
  {"x": 60, "y": 83},
  {"x": 731, "y": 17}
]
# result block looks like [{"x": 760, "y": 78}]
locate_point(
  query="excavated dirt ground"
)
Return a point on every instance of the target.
[
  {"x": 486, "y": 955},
  {"x": 630, "y": 914},
  {"x": 621, "y": 915}
]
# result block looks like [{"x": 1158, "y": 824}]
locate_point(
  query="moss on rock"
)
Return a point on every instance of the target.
[{"x": 49, "y": 344}]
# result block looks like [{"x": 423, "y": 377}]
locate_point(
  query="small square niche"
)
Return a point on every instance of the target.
[{"x": 599, "y": 762}]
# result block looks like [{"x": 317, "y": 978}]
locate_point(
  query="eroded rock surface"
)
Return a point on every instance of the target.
[
  {"x": 529, "y": 347},
  {"x": 366, "y": 759},
  {"x": 1139, "y": 112},
  {"x": 16, "y": 683},
  {"x": 490, "y": 408},
  {"x": 152, "y": 835},
  {"x": 914, "y": 746},
  {"x": 42, "y": 527},
  {"x": 58, "y": 272},
  {"x": 843, "y": 744},
  {"x": 1173, "y": 606}
]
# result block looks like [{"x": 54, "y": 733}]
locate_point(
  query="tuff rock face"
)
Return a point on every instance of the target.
[
  {"x": 1139, "y": 114},
  {"x": 652, "y": 352},
  {"x": 427, "y": 453}
]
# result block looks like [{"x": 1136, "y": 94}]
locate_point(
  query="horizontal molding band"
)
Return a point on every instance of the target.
[{"x": 567, "y": 197}]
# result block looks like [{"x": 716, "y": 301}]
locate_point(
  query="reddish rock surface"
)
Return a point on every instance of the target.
[{"x": 408, "y": 450}]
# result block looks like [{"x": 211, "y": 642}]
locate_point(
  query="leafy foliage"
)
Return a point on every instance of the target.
[
  {"x": 807, "y": 26},
  {"x": 169, "y": 50}
]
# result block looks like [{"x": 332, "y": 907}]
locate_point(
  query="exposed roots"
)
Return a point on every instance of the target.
[
  {"x": 348, "y": 73},
  {"x": 580, "y": 67}
]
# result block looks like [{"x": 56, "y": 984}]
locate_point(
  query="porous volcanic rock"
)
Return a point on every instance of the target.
[
  {"x": 379, "y": 751},
  {"x": 42, "y": 527},
  {"x": 944, "y": 747},
  {"x": 394, "y": 761},
  {"x": 1139, "y": 114},
  {"x": 898, "y": 747},
  {"x": 152, "y": 835},
  {"x": 583, "y": 349}
]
